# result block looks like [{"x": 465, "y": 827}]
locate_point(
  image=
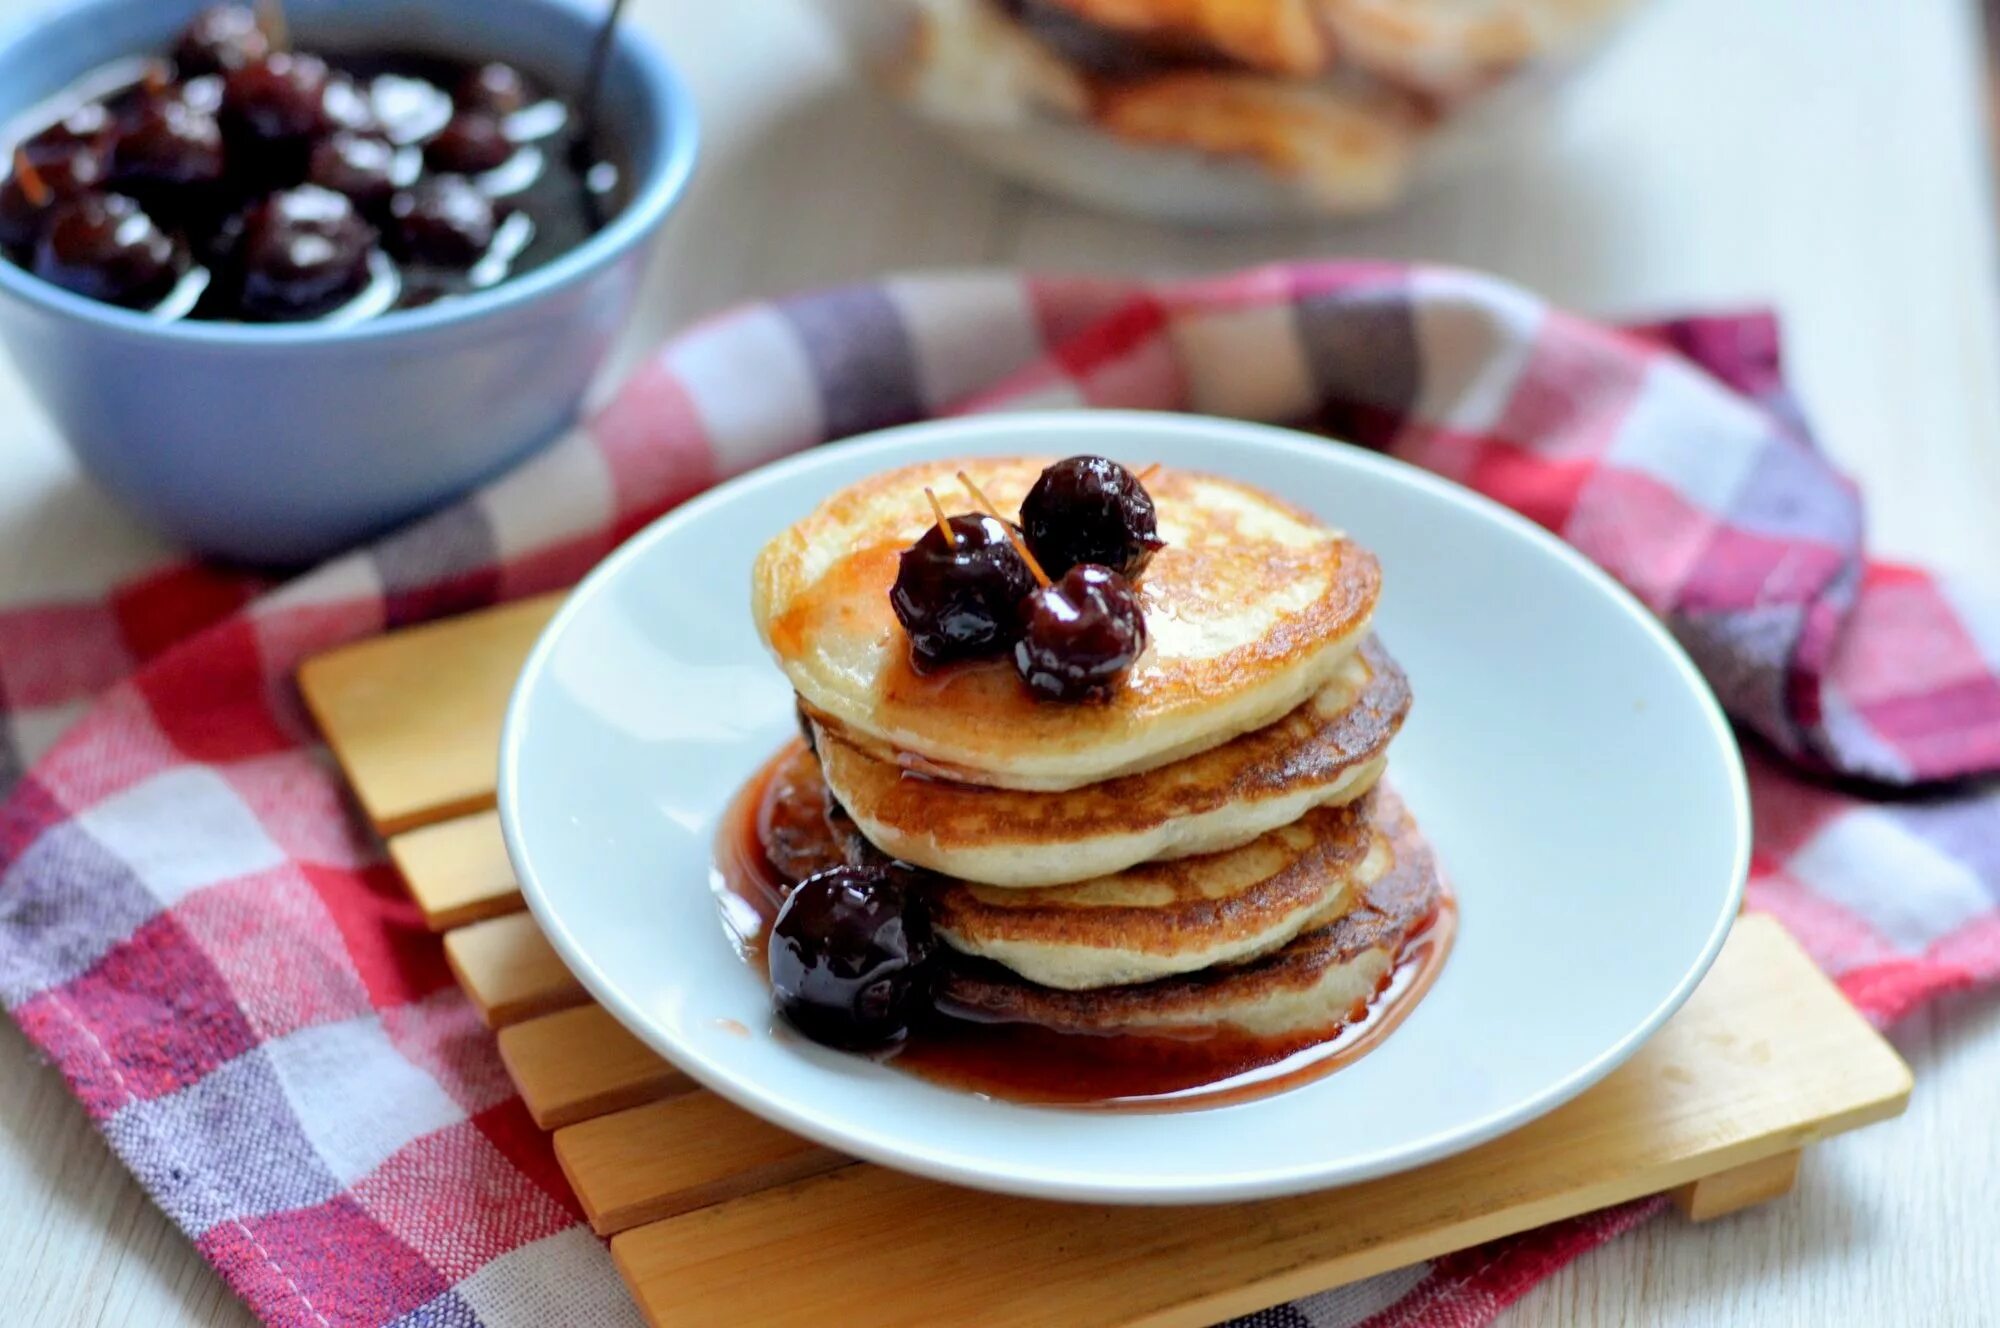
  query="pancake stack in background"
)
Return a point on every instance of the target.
[
  {"x": 1338, "y": 99},
  {"x": 1209, "y": 846}
]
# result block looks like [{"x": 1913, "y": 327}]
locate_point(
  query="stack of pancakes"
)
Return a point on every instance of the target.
[
  {"x": 1338, "y": 96},
  {"x": 1209, "y": 848}
]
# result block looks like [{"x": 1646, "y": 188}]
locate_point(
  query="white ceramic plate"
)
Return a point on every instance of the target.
[{"x": 1574, "y": 772}]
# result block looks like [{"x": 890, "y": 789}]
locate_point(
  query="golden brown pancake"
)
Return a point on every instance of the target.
[
  {"x": 1164, "y": 918},
  {"x": 965, "y": 62},
  {"x": 1251, "y": 608},
  {"x": 1453, "y": 48},
  {"x": 1281, "y": 36},
  {"x": 1306, "y": 987},
  {"x": 1350, "y": 148},
  {"x": 1328, "y": 751}
]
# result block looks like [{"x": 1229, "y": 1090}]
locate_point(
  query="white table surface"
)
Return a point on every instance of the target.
[{"x": 1826, "y": 157}]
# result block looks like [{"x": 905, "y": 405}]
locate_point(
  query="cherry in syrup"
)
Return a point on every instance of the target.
[
  {"x": 1080, "y": 635},
  {"x": 471, "y": 143},
  {"x": 104, "y": 247},
  {"x": 959, "y": 596},
  {"x": 303, "y": 252},
  {"x": 495, "y": 88},
  {"x": 219, "y": 39},
  {"x": 72, "y": 154},
  {"x": 1089, "y": 509},
  {"x": 167, "y": 143},
  {"x": 202, "y": 141},
  {"x": 363, "y": 168},
  {"x": 443, "y": 220},
  {"x": 852, "y": 957},
  {"x": 280, "y": 99}
]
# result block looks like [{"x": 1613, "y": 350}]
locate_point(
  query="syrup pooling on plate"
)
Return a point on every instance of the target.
[
  {"x": 239, "y": 179},
  {"x": 783, "y": 815}
]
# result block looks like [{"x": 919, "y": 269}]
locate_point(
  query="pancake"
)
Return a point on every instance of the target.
[
  {"x": 1451, "y": 49},
  {"x": 1279, "y": 36},
  {"x": 1251, "y": 608},
  {"x": 963, "y": 62},
  {"x": 1306, "y": 988},
  {"x": 1328, "y": 751},
  {"x": 1348, "y": 147},
  {"x": 1162, "y": 919}
]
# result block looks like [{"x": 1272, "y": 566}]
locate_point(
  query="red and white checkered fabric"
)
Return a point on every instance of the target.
[{"x": 216, "y": 955}]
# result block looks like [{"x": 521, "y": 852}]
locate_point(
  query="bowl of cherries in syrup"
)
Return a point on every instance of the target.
[{"x": 286, "y": 277}]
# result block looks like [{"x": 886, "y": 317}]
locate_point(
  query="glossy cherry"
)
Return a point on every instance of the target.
[
  {"x": 167, "y": 143},
  {"x": 960, "y": 600},
  {"x": 362, "y": 168},
  {"x": 103, "y": 246},
  {"x": 1088, "y": 509},
  {"x": 472, "y": 143},
  {"x": 302, "y": 252},
  {"x": 494, "y": 88},
  {"x": 443, "y": 220},
  {"x": 852, "y": 957},
  {"x": 64, "y": 160},
  {"x": 218, "y": 39},
  {"x": 73, "y": 154},
  {"x": 1080, "y": 635},
  {"x": 279, "y": 99},
  {"x": 204, "y": 143}
]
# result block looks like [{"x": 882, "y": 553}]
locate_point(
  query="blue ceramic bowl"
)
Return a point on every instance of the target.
[{"x": 280, "y": 444}]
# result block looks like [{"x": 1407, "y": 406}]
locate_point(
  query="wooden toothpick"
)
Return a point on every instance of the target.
[
  {"x": 944, "y": 526},
  {"x": 1148, "y": 472},
  {"x": 986, "y": 506},
  {"x": 271, "y": 18}
]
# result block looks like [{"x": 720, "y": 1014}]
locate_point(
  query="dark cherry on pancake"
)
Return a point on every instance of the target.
[
  {"x": 976, "y": 585},
  {"x": 959, "y": 591},
  {"x": 1088, "y": 509},
  {"x": 235, "y": 179},
  {"x": 1079, "y": 635}
]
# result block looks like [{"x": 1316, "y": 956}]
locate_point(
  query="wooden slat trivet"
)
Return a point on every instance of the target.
[
  {"x": 581, "y": 1063},
  {"x": 510, "y": 970},
  {"x": 677, "y": 1155},
  {"x": 457, "y": 870},
  {"x": 415, "y": 716},
  {"x": 1764, "y": 1058},
  {"x": 718, "y": 1211}
]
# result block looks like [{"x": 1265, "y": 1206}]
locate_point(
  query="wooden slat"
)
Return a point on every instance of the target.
[
  {"x": 677, "y": 1156},
  {"x": 1767, "y": 1056},
  {"x": 414, "y": 715},
  {"x": 1739, "y": 1187},
  {"x": 457, "y": 870},
  {"x": 576, "y": 1064},
  {"x": 510, "y": 970}
]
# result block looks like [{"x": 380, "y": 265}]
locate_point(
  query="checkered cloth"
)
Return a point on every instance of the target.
[{"x": 198, "y": 932}]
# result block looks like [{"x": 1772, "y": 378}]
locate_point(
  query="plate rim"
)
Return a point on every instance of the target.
[{"x": 995, "y": 1175}]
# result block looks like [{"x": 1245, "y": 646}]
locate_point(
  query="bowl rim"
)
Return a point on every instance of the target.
[{"x": 663, "y": 183}]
